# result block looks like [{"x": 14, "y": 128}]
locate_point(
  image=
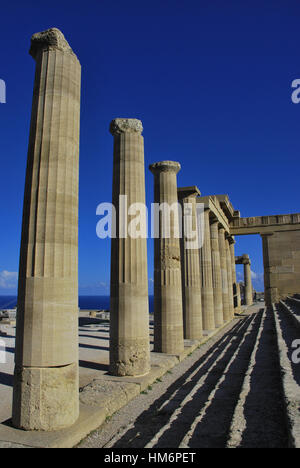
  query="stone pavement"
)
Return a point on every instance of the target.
[
  {"x": 101, "y": 394},
  {"x": 233, "y": 392}
]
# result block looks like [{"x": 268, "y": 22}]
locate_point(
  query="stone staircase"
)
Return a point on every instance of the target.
[
  {"x": 244, "y": 392},
  {"x": 291, "y": 306},
  {"x": 287, "y": 320}
]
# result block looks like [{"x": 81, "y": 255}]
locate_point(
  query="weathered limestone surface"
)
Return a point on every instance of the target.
[
  {"x": 238, "y": 298},
  {"x": 229, "y": 277},
  {"x": 191, "y": 280},
  {"x": 248, "y": 284},
  {"x": 46, "y": 376},
  {"x": 248, "y": 294},
  {"x": 41, "y": 389},
  {"x": 207, "y": 277},
  {"x": 281, "y": 247},
  {"x": 271, "y": 290},
  {"x": 224, "y": 275},
  {"x": 129, "y": 326},
  {"x": 168, "y": 312},
  {"x": 236, "y": 288},
  {"x": 265, "y": 224},
  {"x": 216, "y": 272},
  {"x": 281, "y": 253}
]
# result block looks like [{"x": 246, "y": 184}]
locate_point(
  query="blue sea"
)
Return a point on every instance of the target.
[{"x": 85, "y": 302}]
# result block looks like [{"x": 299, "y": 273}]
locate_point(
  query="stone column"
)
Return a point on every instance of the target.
[
  {"x": 248, "y": 283},
  {"x": 216, "y": 272},
  {"x": 224, "y": 275},
  {"x": 46, "y": 389},
  {"x": 270, "y": 276},
  {"x": 168, "y": 312},
  {"x": 229, "y": 276},
  {"x": 208, "y": 314},
  {"x": 190, "y": 266},
  {"x": 239, "y": 299},
  {"x": 236, "y": 289},
  {"x": 129, "y": 310}
]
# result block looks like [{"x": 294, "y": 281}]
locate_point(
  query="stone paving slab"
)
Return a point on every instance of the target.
[
  {"x": 101, "y": 394},
  {"x": 99, "y": 399}
]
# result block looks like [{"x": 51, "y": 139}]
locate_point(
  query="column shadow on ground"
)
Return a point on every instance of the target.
[
  {"x": 213, "y": 429},
  {"x": 153, "y": 419},
  {"x": 6, "y": 379},
  {"x": 104, "y": 338},
  {"x": 87, "y": 346},
  {"x": 290, "y": 333},
  {"x": 264, "y": 406},
  {"x": 94, "y": 365}
]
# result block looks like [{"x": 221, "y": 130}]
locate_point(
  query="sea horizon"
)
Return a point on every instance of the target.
[{"x": 85, "y": 302}]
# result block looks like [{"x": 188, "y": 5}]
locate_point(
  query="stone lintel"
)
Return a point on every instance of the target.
[
  {"x": 264, "y": 230},
  {"x": 50, "y": 39},
  {"x": 226, "y": 205},
  {"x": 211, "y": 202},
  {"x": 165, "y": 166},
  {"x": 213, "y": 219},
  {"x": 265, "y": 224},
  {"x": 119, "y": 126},
  {"x": 185, "y": 192}
]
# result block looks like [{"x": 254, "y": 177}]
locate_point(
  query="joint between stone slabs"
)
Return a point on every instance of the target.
[{"x": 93, "y": 415}]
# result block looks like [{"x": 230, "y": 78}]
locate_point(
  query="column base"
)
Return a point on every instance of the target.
[
  {"x": 46, "y": 399},
  {"x": 208, "y": 332},
  {"x": 130, "y": 360}
]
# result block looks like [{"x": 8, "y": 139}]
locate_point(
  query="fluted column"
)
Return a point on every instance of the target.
[
  {"x": 229, "y": 276},
  {"x": 224, "y": 275},
  {"x": 168, "y": 312},
  {"x": 236, "y": 288},
  {"x": 248, "y": 283},
  {"x": 239, "y": 297},
  {"x": 216, "y": 272},
  {"x": 129, "y": 311},
  {"x": 46, "y": 389},
  {"x": 207, "y": 278},
  {"x": 191, "y": 281}
]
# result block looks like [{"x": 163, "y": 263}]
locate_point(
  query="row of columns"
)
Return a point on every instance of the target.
[{"x": 193, "y": 288}]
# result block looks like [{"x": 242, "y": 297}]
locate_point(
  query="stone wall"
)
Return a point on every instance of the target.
[{"x": 282, "y": 264}]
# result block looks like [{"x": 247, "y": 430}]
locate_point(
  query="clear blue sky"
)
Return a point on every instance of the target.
[{"x": 211, "y": 81}]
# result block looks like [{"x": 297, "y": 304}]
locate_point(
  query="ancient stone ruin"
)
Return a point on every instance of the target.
[{"x": 196, "y": 290}]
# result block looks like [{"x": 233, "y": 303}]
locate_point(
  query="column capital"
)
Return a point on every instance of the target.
[
  {"x": 213, "y": 221},
  {"x": 118, "y": 126},
  {"x": 165, "y": 166},
  {"x": 231, "y": 239},
  {"x": 243, "y": 260},
  {"x": 188, "y": 192},
  {"x": 50, "y": 39}
]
